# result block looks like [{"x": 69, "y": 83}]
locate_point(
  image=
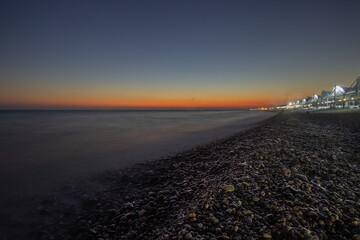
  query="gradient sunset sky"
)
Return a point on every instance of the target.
[{"x": 187, "y": 54}]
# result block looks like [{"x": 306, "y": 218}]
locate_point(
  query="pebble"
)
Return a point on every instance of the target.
[
  {"x": 192, "y": 215},
  {"x": 287, "y": 172},
  {"x": 229, "y": 188},
  {"x": 188, "y": 236},
  {"x": 187, "y": 226},
  {"x": 356, "y": 237},
  {"x": 301, "y": 176},
  {"x": 247, "y": 212},
  {"x": 141, "y": 212},
  {"x": 267, "y": 235},
  {"x": 215, "y": 220}
]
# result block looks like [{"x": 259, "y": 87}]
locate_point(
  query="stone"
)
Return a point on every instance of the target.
[
  {"x": 183, "y": 232},
  {"x": 229, "y": 188},
  {"x": 287, "y": 172},
  {"x": 267, "y": 235},
  {"x": 141, "y": 212},
  {"x": 188, "y": 236},
  {"x": 187, "y": 226},
  {"x": 192, "y": 215},
  {"x": 301, "y": 176},
  {"x": 356, "y": 237},
  {"x": 215, "y": 220},
  {"x": 247, "y": 212}
]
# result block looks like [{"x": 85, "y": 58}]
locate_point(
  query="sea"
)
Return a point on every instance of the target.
[{"x": 42, "y": 150}]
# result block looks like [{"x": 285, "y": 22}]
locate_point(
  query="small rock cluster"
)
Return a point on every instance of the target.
[{"x": 296, "y": 176}]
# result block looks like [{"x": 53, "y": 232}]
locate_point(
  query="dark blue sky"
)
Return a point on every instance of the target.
[{"x": 173, "y": 51}]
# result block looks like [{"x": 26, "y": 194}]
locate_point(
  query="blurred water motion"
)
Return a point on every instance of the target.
[{"x": 39, "y": 149}]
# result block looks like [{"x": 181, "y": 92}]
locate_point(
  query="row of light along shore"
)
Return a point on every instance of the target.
[{"x": 339, "y": 97}]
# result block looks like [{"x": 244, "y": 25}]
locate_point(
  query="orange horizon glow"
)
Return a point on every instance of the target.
[
  {"x": 138, "y": 98},
  {"x": 149, "y": 105},
  {"x": 162, "y": 103},
  {"x": 130, "y": 96}
]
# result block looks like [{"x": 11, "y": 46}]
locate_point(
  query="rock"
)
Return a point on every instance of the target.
[
  {"x": 229, "y": 188},
  {"x": 301, "y": 176},
  {"x": 192, "y": 215},
  {"x": 141, "y": 212},
  {"x": 247, "y": 212},
  {"x": 229, "y": 210},
  {"x": 183, "y": 232},
  {"x": 187, "y": 226},
  {"x": 214, "y": 220},
  {"x": 267, "y": 235},
  {"x": 129, "y": 205},
  {"x": 243, "y": 164},
  {"x": 287, "y": 172},
  {"x": 188, "y": 236}
]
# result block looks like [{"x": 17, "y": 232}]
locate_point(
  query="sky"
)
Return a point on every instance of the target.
[{"x": 174, "y": 54}]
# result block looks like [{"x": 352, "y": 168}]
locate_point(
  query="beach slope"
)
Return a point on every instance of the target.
[{"x": 296, "y": 176}]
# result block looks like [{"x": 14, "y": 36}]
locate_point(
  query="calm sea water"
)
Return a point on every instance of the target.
[{"x": 41, "y": 149}]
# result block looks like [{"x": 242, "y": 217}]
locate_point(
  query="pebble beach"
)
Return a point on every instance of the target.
[{"x": 294, "y": 176}]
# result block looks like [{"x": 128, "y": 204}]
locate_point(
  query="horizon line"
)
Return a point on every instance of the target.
[
  {"x": 124, "y": 109},
  {"x": 84, "y": 107}
]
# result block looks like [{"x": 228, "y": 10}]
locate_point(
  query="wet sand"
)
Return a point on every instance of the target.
[{"x": 296, "y": 176}]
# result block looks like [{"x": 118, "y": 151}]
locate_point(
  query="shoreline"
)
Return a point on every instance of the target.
[
  {"x": 48, "y": 155},
  {"x": 20, "y": 211},
  {"x": 266, "y": 182}
]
